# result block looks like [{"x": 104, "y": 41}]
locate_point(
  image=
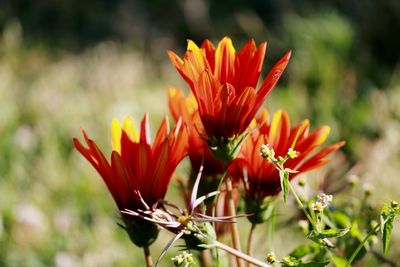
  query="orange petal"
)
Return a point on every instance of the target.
[
  {"x": 225, "y": 60},
  {"x": 273, "y": 77}
]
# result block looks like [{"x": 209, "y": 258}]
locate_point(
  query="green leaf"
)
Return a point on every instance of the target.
[
  {"x": 333, "y": 233},
  {"x": 284, "y": 177},
  {"x": 303, "y": 250},
  {"x": 292, "y": 261},
  {"x": 387, "y": 218},
  {"x": 313, "y": 264},
  {"x": 341, "y": 219},
  {"x": 338, "y": 261}
]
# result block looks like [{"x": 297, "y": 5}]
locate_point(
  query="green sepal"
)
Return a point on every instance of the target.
[
  {"x": 197, "y": 241},
  {"x": 141, "y": 232},
  {"x": 259, "y": 212},
  {"x": 226, "y": 150}
]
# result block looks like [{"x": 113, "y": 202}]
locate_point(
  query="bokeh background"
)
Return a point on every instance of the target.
[{"x": 69, "y": 64}]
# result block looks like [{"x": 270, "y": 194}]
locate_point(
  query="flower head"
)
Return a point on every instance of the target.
[
  {"x": 139, "y": 173},
  {"x": 198, "y": 150},
  {"x": 223, "y": 83},
  {"x": 260, "y": 176}
]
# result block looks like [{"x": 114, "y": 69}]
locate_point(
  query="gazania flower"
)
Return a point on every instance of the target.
[
  {"x": 198, "y": 150},
  {"x": 223, "y": 82},
  {"x": 194, "y": 227},
  {"x": 139, "y": 173},
  {"x": 200, "y": 155},
  {"x": 261, "y": 178}
]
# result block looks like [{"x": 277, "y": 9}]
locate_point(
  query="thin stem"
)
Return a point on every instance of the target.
[
  {"x": 214, "y": 207},
  {"x": 205, "y": 258},
  {"x": 241, "y": 255},
  {"x": 250, "y": 241},
  {"x": 147, "y": 256},
  {"x": 362, "y": 244},
  {"x": 232, "y": 212},
  {"x": 302, "y": 206}
]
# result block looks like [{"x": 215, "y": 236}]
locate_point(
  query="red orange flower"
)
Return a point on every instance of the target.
[
  {"x": 262, "y": 178},
  {"x": 137, "y": 167},
  {"x": 223, "y": 82},
  {"x": 198, "y": 150}
]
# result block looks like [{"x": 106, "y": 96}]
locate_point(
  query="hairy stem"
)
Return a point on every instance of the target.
[
  {"x": 232, "y": 212},
  {"x": 250, "y": 241},
  {"x": 241, "y": 255},
  {"x": 147, "y": 256},
  {"x": 301, "y": 205}
]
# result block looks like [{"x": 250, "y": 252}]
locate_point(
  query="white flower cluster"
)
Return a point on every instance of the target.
[
  {"x": 267, "y": 152},
  {"x": 322, "y": 202}
]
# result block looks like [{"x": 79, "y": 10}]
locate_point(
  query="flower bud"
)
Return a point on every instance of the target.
[
  {"x": 353, "y": 180},
  {"x": 302, "y": 182},
  {"x": 367, "y": 188},
  {"x": 183, "y": 259},
  {"x": 271, "y": 257},
  {"x": 317, "y": 207}
]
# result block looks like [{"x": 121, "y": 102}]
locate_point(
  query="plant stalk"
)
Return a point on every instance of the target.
[
  {"x": 250, "y": 241},
  {"x": 232, "y": 212},
  {"x": 205, "y": 258},
  {"x": 241, "y": 255},
  {"x": 362, "y": 244},
  {"x": 301, "y": 205},
  {"x": 147, "y": 256}
]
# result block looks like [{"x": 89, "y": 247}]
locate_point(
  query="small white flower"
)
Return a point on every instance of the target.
[
  {"x": 324, "y": 199},
  {"x": 292, "y": 153}
]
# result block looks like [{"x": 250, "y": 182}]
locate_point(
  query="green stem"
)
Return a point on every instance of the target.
[
  {"x": 362, "y": 244},
  {"x": 217, "y": 195},
  {"x": 250, "y": 241},
  {"x": 147, "y": 256},
  {"x": 302, "y": 206}
]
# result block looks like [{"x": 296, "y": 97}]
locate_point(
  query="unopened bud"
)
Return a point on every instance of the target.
[
  {"x": 353, "y": 180},
  {"x": 271, "y": 257},
  {"x": 373, "y": 224},
  {"x": 267, "y": 152},
  {"x": 303, "y": 225},
  {"x": 302, "y": 182},
  {"x": 317, "y": 207},
  {"x": 367, "y": 188},
  {"x": 183, "y": 259}
]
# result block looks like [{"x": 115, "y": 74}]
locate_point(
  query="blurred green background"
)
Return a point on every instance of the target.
[{"x": 70, "y": 64}]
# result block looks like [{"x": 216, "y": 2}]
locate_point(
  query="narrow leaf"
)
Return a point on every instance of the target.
[
  {"x": 387, "y": 219},
  {"x": 284, "y": 177},
  {"x": 333, "y": 233}
]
